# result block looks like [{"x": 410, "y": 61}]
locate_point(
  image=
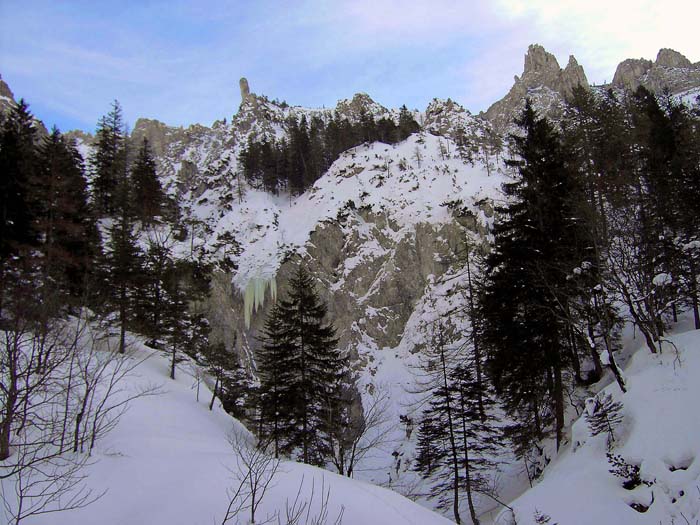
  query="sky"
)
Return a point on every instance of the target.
[{"x": 179, "y": 61}]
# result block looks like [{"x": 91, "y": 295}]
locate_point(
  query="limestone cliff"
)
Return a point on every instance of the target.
[
  {"x": 543, "y": 81},
  {"x": 671, "y": 70}
]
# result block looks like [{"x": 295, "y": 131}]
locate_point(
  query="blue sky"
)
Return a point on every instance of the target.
[{"x": 179, "y": 61}]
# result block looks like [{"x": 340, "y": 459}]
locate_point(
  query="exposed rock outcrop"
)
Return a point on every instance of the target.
[
  {"x": 671, "y": 70},
  {"x": 670, "y": 58},
  {"x": 157, "y": 134},
  {"x": 544, "y": 81},
  {"x": 629, "y": 72},
  {"x": 245, "y": 88},
  {"x": 7, "y": 98}
]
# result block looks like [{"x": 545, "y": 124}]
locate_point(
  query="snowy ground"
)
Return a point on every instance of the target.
[
  {"x": 169, "y": 461},
  {"x": 660, "y": 433}
]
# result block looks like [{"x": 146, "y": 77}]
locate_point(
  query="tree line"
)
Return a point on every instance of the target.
[
  {"x": 597, "y": 227},
  {"x": 310, "y": 147}
]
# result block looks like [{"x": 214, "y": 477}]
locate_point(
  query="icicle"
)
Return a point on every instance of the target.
[{"x": 254, "y": 297}]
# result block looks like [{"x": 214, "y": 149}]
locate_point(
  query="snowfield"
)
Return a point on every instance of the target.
[
  {"x": 660, "y": 433},
  {"x": 169, "y": 462}
]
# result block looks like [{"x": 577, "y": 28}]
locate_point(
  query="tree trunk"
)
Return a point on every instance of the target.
[
  {"x": 475, "y": 342},
  {"x": 453, "y": 445},
  {"x": 213, "y": 394},
  {"x": 558, "y": 403},
  {"x": 467, "y": 473}
]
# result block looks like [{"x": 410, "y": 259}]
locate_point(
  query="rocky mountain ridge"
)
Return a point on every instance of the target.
[
  {"x": 382, "y": 231},
  {"x": 671, "y": 70},
  {"x": 549, "y": 86},
  {"x": 544, "y": 81}
]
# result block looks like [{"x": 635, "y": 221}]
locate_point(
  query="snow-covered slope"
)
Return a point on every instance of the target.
[
  {"x": 169, "y": 462},
  {"x": 660, "y": 434},
  {"x": 409, "y": 183}
]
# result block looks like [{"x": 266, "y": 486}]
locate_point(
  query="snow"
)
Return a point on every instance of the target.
[
  {"x": 169, "y": 461},
  {"x": 384, "y": 178},
  {"x": 660, "y": 433}
]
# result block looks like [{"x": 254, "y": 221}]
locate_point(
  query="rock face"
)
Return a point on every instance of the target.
[
  {"x": 629, "y": 72},
  {"x": 671, "y": 70},
  {"x": 7, "y": 98},
  {"x": 5, "y": 90},
  {"x": 154, "y": 131},
  {"x": 547, "y": 85},
  {"x": 245, "y": 88},
  {"x": 670, "y": 58}
]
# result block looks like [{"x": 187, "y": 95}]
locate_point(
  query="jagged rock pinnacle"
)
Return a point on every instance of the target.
[
  {"x": 5, "y": 90},
  {"x": 671, "y": 71},
  {"x": 541, "y": 70},
  {"x": 538, "y": 59},
  {"x": 245, "y": 88},
  {"x": 629, "y": 72},
  {"x": 670, "y": 58}
]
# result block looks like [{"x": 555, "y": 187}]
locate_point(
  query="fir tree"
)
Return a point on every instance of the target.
[
  {"x": 18, "y": 234},
  {"x": 70, "y": 243},
  {"x": 301, "y": 371},
  {"x": 537, "y": 245},
  {"x": 455, "y": 435},
  {"x": 276, "y": 375},
  {"x": 108, "y": 162},
  {"x": 145, "y": 186}
]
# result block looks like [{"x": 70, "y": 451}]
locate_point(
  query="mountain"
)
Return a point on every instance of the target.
[
  {"x": 543, "y": 81},
  {"x": 384, "y": 231},
  {"x": 549, "y": 86},
  {"x": 670, "y": 71}
]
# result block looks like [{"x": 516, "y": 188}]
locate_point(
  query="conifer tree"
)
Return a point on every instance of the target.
[
  {"x": 124, "y": 262},
  {"x": 455, "y": 435},
  {"x": 274, "y": 362},
  {"x": 108, "y": 162},
  {"x": 301, "y": 371},
  {"x": 407, "y": 124},
  {"x": 537, "y": 246},
  {"x": 70, "y": 242},
  {"x": 17, "y": 169},
  {"x": 145, "y": 186}
]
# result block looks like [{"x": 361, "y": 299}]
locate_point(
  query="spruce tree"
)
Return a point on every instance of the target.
[
  {"x": 18, "y": 233},
  {"x": 17, "y": 166},
  {"x": 455, "y": 436},
  {"x": 301, "y": 371},
  {"x": 274, "y": 362},
  {"x": 108, "y": 162},
  {"x": 70, "y": 241},
  {"x": 537, "y": 246},
  {"x": 145, "y": 186}
]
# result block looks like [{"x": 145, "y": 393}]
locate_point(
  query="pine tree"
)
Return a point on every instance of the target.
[
  {"x": 145, "y": 186},
  {"x": 18, "y": 234},
  {"x": 301, "y": 371},
  {"x": 603, "y": 415},
  {"x": 455, "y": 435},
  {"x": 537, "y": 245},
  {"x": 108, "y": 162}
]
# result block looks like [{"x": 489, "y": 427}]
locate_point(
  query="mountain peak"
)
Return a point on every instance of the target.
[
  {"x": 671, "y": 70},
  {"x": 538, "y": 60},
  {"x": 541, "y": 70},
  {"x": 245, "y": 88},
  {"x": 670, "y": 58}
]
